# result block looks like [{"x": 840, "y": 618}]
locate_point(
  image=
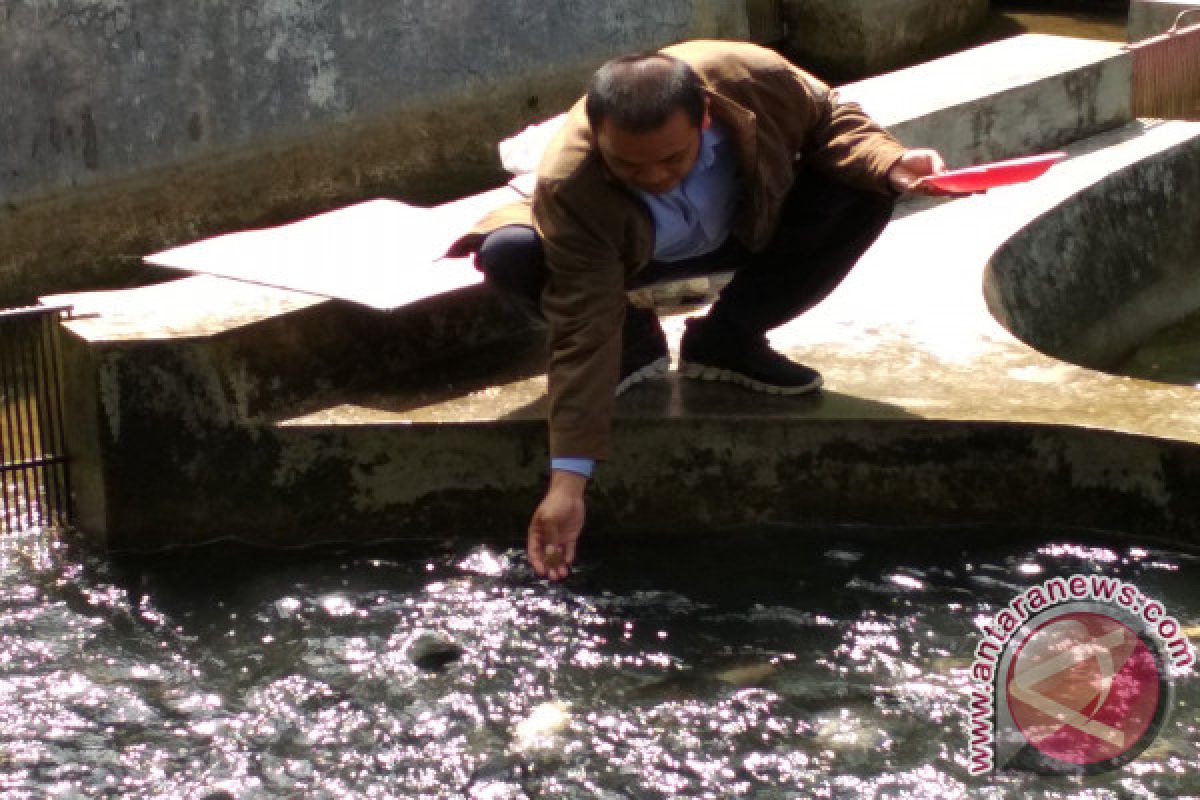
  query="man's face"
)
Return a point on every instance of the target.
[{"x": 655, "y": 161}]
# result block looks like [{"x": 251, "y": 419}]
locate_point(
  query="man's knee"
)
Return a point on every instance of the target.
[
  {"x": 509, "y": 254},
  {"x": 512, "y": 261}
]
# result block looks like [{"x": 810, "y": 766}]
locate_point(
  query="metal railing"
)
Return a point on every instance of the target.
[{"x": 34, "y": 485}]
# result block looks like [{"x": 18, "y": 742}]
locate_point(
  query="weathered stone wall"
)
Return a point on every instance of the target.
[
  {"x": 130, "y": 125},
  {"x": 851, "y": 38},
  {"x": 1094, "y": 278}
]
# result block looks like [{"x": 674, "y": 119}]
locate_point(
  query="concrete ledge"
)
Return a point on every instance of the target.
[
  {"x": 1152, "y": 17},
  {"x": 1015, "y": 97},
  {"x": 301, "y": 485},
  {"x": 861, "y": 37},
  {"x": 1090, "y": 298}
]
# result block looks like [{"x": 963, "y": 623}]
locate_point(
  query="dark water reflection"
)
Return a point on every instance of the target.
[{"x": 768, "y": 664}]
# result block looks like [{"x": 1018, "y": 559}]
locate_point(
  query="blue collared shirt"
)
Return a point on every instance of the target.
[{"x": 694, "y": 218}]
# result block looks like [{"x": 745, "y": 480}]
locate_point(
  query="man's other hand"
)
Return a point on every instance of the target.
[
  {"x": 908, "y": 174},
  {"x": 556, "y": 524}
]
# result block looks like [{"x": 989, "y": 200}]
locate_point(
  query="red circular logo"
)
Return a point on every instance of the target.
[{"x": 1083, "y": 688}]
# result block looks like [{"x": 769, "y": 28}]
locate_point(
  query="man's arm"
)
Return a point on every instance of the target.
[
  {"x": 847, "y": 141},
  {"x": 584, "y": 303}
]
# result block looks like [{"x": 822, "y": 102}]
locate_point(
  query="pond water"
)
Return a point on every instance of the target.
[
  {"x": 765, "y": 664},
  {"x": 1172, "y": 355}
]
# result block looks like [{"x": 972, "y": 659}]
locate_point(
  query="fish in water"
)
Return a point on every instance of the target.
[
  {"x": 543, "y": 724},
  {"x": 692, "y": 683},
  {"x": 431, "y": 651}
]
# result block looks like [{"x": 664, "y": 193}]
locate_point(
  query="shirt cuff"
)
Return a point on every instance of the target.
[{"x": 580, "y": 466}]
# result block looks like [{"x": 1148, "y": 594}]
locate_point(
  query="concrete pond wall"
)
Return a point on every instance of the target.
[
  {"x": 1094, "y": 278},
  {"x": 130, "y": 125},
  {"x": 854, "y": 38}
]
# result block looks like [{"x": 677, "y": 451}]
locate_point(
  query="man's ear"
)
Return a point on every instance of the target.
[{"x": 706, "y": 123}]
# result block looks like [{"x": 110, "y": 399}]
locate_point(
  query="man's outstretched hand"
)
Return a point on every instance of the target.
[
  {"x": 556, "y": 524},
  {"x": 909, "y": 173}
]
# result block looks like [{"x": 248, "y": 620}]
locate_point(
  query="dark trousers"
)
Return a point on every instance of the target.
[{"x": 824, "y": 228}]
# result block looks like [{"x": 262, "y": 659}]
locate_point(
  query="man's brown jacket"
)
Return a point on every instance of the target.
[{"x": 597, "y": 233}]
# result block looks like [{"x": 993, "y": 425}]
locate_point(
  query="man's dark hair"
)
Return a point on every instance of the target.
[{"x": 640, "y": 92}]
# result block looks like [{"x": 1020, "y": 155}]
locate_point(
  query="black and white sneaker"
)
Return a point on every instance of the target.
[
  {"x": 644, "y": 352},
  {"x": 707, "y": 355}
]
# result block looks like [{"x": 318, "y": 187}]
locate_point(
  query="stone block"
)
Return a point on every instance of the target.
[
  {"x": 1091, "y": 299},
  {"x": 851, "y": 38},
  {"x": 1152, "y": 17},
  {"x": 1016, "y": 97}
]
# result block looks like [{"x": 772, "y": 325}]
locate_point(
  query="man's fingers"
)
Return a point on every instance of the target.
[
  {"x": 534, "y": 546},
  {"x": 553, "y": 558}
]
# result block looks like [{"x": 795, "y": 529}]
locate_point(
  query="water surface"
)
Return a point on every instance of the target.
[{"x": 766, "y": 664}]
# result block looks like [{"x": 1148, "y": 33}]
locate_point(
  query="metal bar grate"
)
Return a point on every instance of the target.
[{"x": 34, "y": 484}]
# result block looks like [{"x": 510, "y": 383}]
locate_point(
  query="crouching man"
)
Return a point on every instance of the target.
[{"x": 705, "y": 157}]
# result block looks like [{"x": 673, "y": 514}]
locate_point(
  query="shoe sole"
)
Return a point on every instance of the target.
[
  {"x": 657, "y": 367},
  {"x": 706, "y": 373}
]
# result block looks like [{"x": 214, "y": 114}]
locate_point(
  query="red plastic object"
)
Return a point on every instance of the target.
[{"x": 998, "y": 173}]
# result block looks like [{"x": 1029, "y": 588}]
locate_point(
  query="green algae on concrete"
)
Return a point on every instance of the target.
[{"x": 1172, "y": 355}]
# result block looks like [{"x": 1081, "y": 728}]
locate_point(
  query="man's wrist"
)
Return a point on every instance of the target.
[
  {"x": 579, "y": 466},
  {"x": 572, "y": 483}
]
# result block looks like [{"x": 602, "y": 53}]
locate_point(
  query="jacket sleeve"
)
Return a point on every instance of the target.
[
  {"x": 584, "y": 304},
  {"x": 845, "y": 141}
]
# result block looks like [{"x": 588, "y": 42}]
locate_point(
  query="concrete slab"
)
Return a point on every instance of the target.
[
  {"x": 382, "y": 253},
  {"x": 285, "y": 419},
  {"x": 1152, "y": 17},
  {"x": 187, "y": 308},
  {"x": 909, "y": 332},
  {"x": 1015, "y": 97}
]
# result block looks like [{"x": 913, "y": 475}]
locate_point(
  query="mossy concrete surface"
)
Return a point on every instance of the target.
[{"x": 852, "y": 38}]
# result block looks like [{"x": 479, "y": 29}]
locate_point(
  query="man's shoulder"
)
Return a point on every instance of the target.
[{"x": 717, "y": 59}]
